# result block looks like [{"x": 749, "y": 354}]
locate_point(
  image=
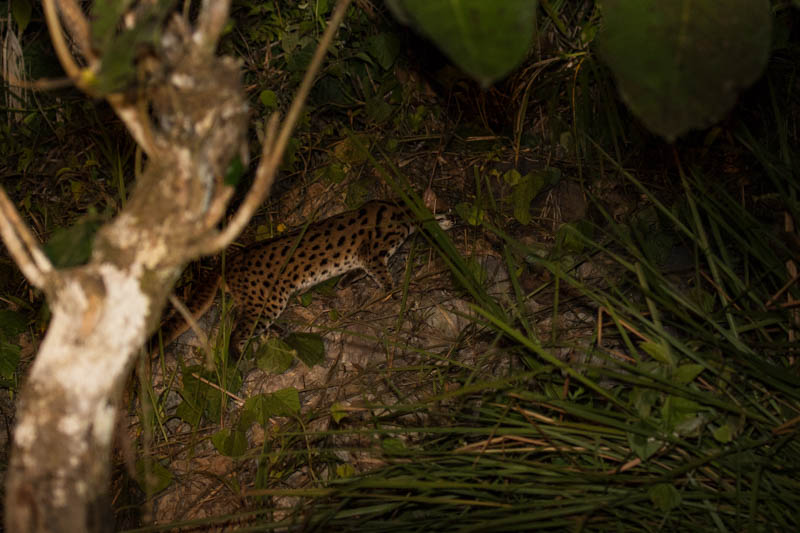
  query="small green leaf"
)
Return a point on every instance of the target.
[
  {"x": 527, "y": 188},
  {"x": 703, "y": 299},
  {"x": 309, "y": 347},
  {"x": 643, "y": 400},
  {"x": 72, "y": 246},
  {"x": 644, "y": 445},
  {"x": 724, "y": 433},
  {"x": 234, "y": 171},
  {"x": 230, "y": 442},
  {"x": 471, "y": 213},
  {"x": 268, "y": 99},
  {"x": 333, "y": 172},
  {"x": 570, "y": 237},
  {"x": 21, "y": 11},
  {"x": 658, "y": 352},
  {"x": 378, "y": 109},
  {"x": 152, "y": 476},
  {"x": 77, "y": 188},
  {"x": 664, "y": 496},
  {"x": 512, "y": 177},
  {"x": 393, "y": 446},
  {"x": 344, "y": 471},
  {"x": 275, "y": 356},
  {"x": 686, "y": 373},
  {"x": 306, "y": 298},
  {"x": 338, "y": 412}
]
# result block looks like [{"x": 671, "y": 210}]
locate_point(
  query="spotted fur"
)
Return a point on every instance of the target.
[{"x": 263, "y": 276}]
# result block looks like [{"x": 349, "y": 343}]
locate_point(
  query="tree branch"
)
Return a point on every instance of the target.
[
  {"x": 59, "y": 43},
  {"x": 272, "y": 153},
  {"x": 22, "y": 245}
]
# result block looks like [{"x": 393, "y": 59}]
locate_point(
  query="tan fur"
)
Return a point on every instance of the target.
[{"x": 263, "y": 276}]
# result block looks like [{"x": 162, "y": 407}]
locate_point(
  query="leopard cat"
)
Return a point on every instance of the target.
[{"x": 263, "y": 276}]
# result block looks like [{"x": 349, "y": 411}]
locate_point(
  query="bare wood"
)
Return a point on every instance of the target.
[
  {"x": 22, "y": 245},
  {"x": 59, "y": 42},
  {"x": 78, "y": 27}
]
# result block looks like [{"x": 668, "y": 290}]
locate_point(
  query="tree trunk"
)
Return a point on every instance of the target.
[{"x": 102, "y": 312}]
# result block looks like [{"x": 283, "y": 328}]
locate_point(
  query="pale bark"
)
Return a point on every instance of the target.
[{"x": 102, "y": 312}]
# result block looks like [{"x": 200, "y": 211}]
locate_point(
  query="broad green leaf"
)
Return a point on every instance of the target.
[
  {"x": 485, "y": 39},
  {"x": 230, "y": 442},
  {"x": 664, "y": 496},
  {"x": 288, "y": 400},
  {"x": 199, "y": 395},
  {"x": 152, "y": 476},
  {"x": 679, "y": 411},
  {"x": 384, "y": 47},
  {"x": 190, "y": 412},
  {"x": 644, "y": 446},
  {"x": 681, "y": 65},
  {"x": 11, "y": 324},
  {"x": 308, "y": 347},
  {"x": 9, "y": 360},
  {"x": 275, "y": 356},
  {"x": 262, "y": 407}
]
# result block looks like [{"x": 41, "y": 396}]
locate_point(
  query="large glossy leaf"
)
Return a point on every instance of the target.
[
  {"x": 485, "y": 38},
  {"x": 680, "y": 65}
]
